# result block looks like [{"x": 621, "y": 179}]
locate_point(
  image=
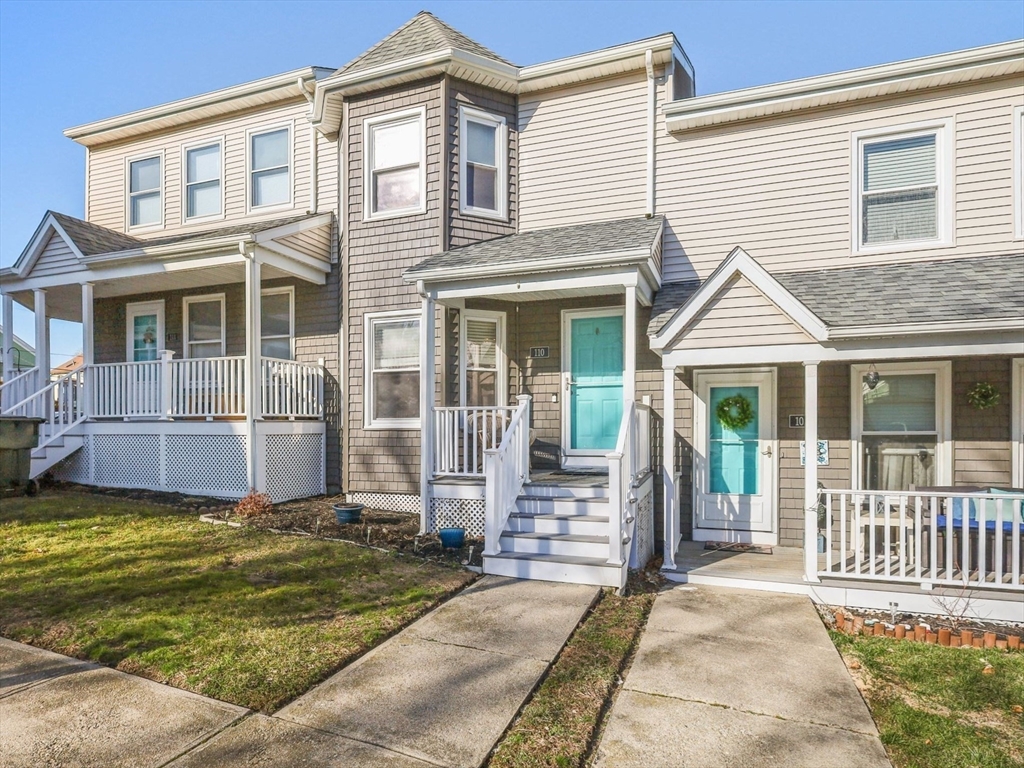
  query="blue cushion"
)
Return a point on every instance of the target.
[
  {"x": 990, "y": 507},
  {"x": 958, "y": 508}
]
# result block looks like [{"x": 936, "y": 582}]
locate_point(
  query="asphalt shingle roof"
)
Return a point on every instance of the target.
[
  {"x": 525, "y": 247},
  {"x": 983, "y": 288},
  {"x": 421, "y": 34}
]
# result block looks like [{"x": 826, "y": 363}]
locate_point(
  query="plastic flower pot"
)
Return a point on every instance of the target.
[
  {"x": 347, "y": 514},
  {"x": 822, "y": 543},
  {"x": 452, "y": 538}
]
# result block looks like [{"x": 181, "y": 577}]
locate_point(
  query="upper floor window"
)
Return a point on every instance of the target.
[
  {"x": 203, "y": 196},
  {"x": 395, "y": 178},
  {"x": 144, "y": 198},
  {"x": 903, "y": 190},
  {"x": 483, "y": 147},
  {"x": 270, "y": 168}
]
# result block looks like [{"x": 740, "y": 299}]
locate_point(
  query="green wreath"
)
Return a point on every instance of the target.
[
  {"x": 735, "y": 412},
  {"x": 983, "y": 395}
]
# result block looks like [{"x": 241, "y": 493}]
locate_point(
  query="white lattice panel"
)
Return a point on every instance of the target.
[
  {"x": 644, "y": 531},
  {"x": 295, "y": 466},
  {"x": 457, "y": 513},
  {"x": 214, "y": 464},
  {"x": 127, "y": 461},
  {"x": 392, "y": 502},
  {"x": 75, "y": 468}
]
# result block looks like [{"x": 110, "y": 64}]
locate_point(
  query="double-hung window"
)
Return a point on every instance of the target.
[
  {"x": 395, "y": 164},
  {"x": 483, "y": 148},
  {"x": 203, "y": 188},
  {"x": 393, "y": 370},
  {"x": 145, "y": 208},
  {"x": 482, "y": 358},
  {"x": 902, "y": 195},
  {"x": 277, "y": 322},
  {"x": 270, "y": 168},
  {"x": 901, "y": 419},
  {"x": 204, "y": 326}
]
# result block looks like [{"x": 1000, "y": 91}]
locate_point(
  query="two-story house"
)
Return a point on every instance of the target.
[{"x": 575, "y": 309}]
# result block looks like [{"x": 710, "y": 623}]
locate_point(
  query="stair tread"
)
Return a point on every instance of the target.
[
  {"x": 561, "y": 499},
  {"x": 567, "y": 559},
  {"x": 560, "y": 516},
  {"x": 556, "y": 536}
]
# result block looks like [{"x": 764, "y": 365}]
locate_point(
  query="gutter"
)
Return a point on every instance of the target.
[
  {"x": 568, "y": 261},
  {"x": 913, "y": 329}
]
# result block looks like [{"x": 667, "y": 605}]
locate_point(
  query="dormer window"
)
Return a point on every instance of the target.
[
  {"x": 270, "y": 168},
  {"x": 483, "y": 147},
  {"x": 144, "y": 198},
  {"x": 203, "y": 196},
  {"x": 395, "y": 178}
]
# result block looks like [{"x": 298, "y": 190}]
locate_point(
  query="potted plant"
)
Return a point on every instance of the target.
[
  {"x": 452, "y": 536},
  {"x": 348, "y": 513}
]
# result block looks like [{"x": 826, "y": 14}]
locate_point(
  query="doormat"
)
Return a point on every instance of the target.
[{"x": 725, "y": 546}]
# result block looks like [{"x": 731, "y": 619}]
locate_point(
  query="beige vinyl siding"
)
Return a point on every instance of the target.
[
  {"x": 313, "y": 242},
  {"x": 106, "y": 182},
  {"x": 740, "y": 315},
  {"x": 781, "y": 187},
  {"x": 57, "y": 258},
  {"x": 583, "y": 153}
]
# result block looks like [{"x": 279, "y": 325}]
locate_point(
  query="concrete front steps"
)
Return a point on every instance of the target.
[{"x": 558, "y": 533}]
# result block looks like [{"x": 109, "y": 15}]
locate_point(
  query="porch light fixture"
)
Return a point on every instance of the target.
[{"x": 872, "y": 377}]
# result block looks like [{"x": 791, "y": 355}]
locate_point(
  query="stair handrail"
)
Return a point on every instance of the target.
[
  {"x": 506, "y": 471},
  {"x": 627, "y": 466},
  {"x": 17, "y": 381},
  {"x": 61, "y": 403}
]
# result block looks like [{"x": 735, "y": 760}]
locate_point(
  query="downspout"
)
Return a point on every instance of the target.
[
  {"x": 653, "y": 82},
  {"x": 249, "y": 254},
  {"x": 314, "y": 180}
]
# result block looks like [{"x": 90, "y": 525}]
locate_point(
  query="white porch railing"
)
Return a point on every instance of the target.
[
  {"x": 207, "y": 387},
  {"x": 18, "y": 388},
  {"x": 506, "y": 470},
  {"x": 462, "y": 436},
  {"x": 627, "y": 466},
  {"x": 949, "y": 539},
  {"x": 292, "y": 389},
  {"x": 61, "y": 405},
  {"x": 126, "y": 390}
]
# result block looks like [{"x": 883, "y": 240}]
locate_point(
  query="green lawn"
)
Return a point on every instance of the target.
[
  {"x": 936, "y": 708},
  {"x": 238, "y": 614}
]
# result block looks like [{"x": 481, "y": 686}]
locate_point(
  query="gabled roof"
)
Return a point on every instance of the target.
[
  {"x": 573, "y": 247},
  {"x": 423, "y": 33}
]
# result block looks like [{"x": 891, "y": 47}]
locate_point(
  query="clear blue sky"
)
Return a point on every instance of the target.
[{"x": 63, "y": 64}]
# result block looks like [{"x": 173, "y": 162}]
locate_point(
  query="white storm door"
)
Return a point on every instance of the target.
[{"x": 735, "y": 467}]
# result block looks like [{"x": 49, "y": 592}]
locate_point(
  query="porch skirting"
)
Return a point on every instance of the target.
[
  {"x": 200, "y": 458},
  {"x": 391, "y": 502}
]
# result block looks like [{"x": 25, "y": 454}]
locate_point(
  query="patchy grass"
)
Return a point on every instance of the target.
[
  {"x": 936, "y": 707},
  {"x": 558, "y": 725},
  {"x": 238, "y": 614}
]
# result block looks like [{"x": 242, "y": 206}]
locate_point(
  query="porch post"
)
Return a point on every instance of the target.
[
  {"x": 87, "y": 324},
  {"x": 253, "y": 385},
  {"x": 629, "y": 347},
  {"x": 426, "y": 403},
  {"x": 668, "y": 469},
  {"x": 7, "y": 322},
  {"x": 42, "y": 338},
  {"x": 811, "y": 471}
]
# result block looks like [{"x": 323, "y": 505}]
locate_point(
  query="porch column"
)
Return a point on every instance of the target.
[
  {"x": 42, "y": 337},
  {"x": 87, "y": 346},
  {"x": 426, "y": 403},
  {"x": 668, "y": 469},
  {"x": 254, "y": 384},
  {"x": 811, "y": 471},
  {"x": 629, "y": 347},
  {"x": 7, "y": 321}
]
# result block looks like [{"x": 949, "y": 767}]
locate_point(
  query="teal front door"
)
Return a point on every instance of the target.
[{"x": 595, "y": 383}]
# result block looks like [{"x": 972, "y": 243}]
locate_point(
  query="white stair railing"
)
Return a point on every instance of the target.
[
  {"x": 292, "y": 389},
  {"x": 948, "y": 538},
  {"x": 18, "y": 388},
  {"x": 627, "y": 466},
  {"x": 60, "y": 404},
  {"x": 506, "y": 470},
  {"x": 463, "y": 434}
]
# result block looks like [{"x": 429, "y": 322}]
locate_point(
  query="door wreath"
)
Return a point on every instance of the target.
[{"x": 734, "y": 412}]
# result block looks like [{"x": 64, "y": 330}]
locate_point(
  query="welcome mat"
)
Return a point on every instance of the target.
[{"x": 725, "y": 546}]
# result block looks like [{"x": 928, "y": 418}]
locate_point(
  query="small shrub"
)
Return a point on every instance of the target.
[{"x": 254, "y": 504}]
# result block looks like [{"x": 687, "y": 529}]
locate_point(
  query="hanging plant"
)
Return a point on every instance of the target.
[
  {"x": 983, "y": 395},
  {"x": 735, "y": 412}
]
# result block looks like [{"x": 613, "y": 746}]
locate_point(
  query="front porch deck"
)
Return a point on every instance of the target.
[{"x": 784, "y": 566}]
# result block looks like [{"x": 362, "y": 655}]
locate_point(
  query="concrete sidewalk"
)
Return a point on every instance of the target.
[{"x": 728, "y": 677}]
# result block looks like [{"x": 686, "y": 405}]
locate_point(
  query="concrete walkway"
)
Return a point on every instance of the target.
[
  {"x": 728, "y": 677},
  {"x": 439, "y": 693}
]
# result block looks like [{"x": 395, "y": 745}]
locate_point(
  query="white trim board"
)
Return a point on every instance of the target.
[{"x": 1017, "y": 421}]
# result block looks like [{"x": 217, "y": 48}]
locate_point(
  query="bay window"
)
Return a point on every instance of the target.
[
  {"x": 483, "y": 147},
  {"x": 392, "y": 384}
]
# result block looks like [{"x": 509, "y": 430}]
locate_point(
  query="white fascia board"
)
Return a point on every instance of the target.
[
  {"x": 38, "y": 242},
  {"x": 988, "y": 61},
  {"x": 535, "y": 284},
  {"x": 739, "y": 262},
  {"x": 582, "y": 66},
  {"x": 155, "y": 252},
  {"x": 302, "y": 267},
  {"x": 566, "y": 262},
  {"x": 912, "y": 329},
  {"x": 287, "y": 82}
]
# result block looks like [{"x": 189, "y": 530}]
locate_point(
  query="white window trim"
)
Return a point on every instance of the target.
[
  {"x": 1018, "y": 174},
  {"x": 185, "y": 302},
  {"x": 368, "y": 320},
  {"x": 143, "y": 308},
  {"x": 943, "y": 371},
  {"x": 290, "y": 291},
  {"x": 1017, "y": 422},
  {"x": 270, "y": 128},
  {"x": 945, "y": 181},
  {"x": 128, "y": 226},
  {"x": 203, "y": 144},
  {"x": 467, "y": 114},
  {"x": 501, "y": 385},
  {"x": 369, "y": 124}
]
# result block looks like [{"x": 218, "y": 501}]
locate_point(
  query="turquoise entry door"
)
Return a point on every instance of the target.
[{"x": 595, "y": 408}]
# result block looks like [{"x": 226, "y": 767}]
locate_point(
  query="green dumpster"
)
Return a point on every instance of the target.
[{"x": 18, "y": 436}]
